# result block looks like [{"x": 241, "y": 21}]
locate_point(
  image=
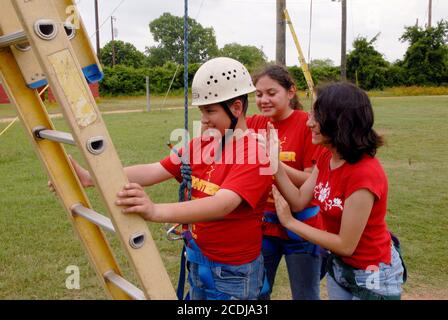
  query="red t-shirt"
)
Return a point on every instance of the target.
[
  {"x": 296, "y": 151},
  {"x": 235, "y": 239},
  {"x": 333, "y": 187}
]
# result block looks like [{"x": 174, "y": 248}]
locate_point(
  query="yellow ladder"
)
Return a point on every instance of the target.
[
  {"x": 304, "y": 65},
  {"x": 37, "y": 45}
]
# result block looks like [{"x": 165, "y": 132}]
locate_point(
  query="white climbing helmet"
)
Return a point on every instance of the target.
[{"x": 219, "y": 80}]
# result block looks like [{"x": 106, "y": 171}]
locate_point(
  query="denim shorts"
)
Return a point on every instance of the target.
[
  {"x": 238, "y": 282},
  {"x": 304, "y": 267},
  {"x": 385, "y": 279}
]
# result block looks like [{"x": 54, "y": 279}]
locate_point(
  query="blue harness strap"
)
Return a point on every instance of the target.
[
  {"x": 181, "y": 281},
  {"x": 184, "y": 195},
  {"x": 303, "y": 215},
  {"x": 296, "y": 243},
  {"x": 192, "y": 254},
  {"x": 308, "y": 213}
]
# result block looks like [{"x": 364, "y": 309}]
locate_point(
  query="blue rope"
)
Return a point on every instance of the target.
[
  {"x": 185, "y": 172},
  {"x": 186, "y": 71},
  {"x": 185, "y": 169}
]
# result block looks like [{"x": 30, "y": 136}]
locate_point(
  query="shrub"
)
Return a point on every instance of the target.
[{"x": 128, "y": 81}]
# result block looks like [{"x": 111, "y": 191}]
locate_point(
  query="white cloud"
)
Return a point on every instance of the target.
[{"x": 252, "y": 22}]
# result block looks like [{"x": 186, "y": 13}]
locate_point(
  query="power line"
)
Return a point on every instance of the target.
[
  {"x": 311, "y": 29},
  {"x": 200, "y": 8},
  {"x": 107, "y": 19}
]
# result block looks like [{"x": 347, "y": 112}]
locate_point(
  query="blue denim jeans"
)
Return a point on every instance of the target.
[
  {"x": 384, "y": 280},
  {"x": 235, "y": 282},
  {"x": 303, "y": 268}
]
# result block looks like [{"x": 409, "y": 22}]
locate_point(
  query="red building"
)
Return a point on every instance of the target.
[{"x": 3, "y": 96}]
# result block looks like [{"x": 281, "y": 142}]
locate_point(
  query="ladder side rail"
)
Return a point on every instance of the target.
[
  {"x": 57, "y": 165},
  {"x": 303, "y": 63},
  {"x": 58, "y": 60},
  {"x": 81, "y": 44}
]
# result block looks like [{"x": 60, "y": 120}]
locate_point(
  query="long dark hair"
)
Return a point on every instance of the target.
[
  {"x": 281, "y": 75},
  {"x": 345, "y": 116}
]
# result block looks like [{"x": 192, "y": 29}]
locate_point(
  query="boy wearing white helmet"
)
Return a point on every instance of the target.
[{"x": 225, "y": 217}]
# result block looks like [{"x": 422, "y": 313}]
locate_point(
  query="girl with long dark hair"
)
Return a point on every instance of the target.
[{"x": 350, "y": 186}]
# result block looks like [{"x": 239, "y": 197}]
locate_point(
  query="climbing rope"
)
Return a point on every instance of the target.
[
  {"x": 9, "y": 126},
  {"x": 186, "y": 74},
  {"x": 185, "y": 169},
  {"x": 17, "y": 118}
]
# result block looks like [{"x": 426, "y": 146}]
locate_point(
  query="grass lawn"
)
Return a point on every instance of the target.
[
  {"x": 37, "y": 242},
  {"x": 110, "y": 104}
]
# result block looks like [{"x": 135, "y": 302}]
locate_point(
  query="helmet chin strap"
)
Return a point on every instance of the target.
[
  {"x": 233, "y": 119},
  {"x": 229, "y": 132},
  {"x": 233, "y": 123}
]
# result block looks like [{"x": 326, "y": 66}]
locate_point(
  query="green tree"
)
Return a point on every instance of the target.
[
  {"x": 396, "y": 75},
  {"x": 250, "y": 56},
  {"x": 323, "y": 71},
  {"x": 321, "y": 63},
  {"x": 426, "y": 60},
  {"x": 168, "y": 31},
  {"x": 366, "y": 65},
  {"x": 126, "y": 54}
]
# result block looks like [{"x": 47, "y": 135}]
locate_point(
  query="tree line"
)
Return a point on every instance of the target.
[{"x": 424, "y": 63}]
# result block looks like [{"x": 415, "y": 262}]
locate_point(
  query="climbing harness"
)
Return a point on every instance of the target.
[
  {"x": 348, "y": 273},
  {"x": 298, "y": 244}
]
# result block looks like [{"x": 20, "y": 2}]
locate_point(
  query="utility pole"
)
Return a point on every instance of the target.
[
  {"x": 430, "y": 14},
  {"x": 112, "y": 19},
  {"x": 97, "y": 28},
  {"x": 281, "y": 33},
  {"x": 344, "y": 42}
]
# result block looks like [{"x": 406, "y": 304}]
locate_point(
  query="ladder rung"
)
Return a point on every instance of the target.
[
  {"x": 125, "y": 285},
  {"x": 53, "y": 135},
  {"x": 12, "y": 39},
  {"x": 93, "y": 217}
]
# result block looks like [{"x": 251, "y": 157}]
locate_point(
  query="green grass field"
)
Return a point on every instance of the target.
[{"x": 37, "y": 242}]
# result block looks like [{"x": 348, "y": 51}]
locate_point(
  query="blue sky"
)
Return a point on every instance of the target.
[{"x": 252, "y": 22}]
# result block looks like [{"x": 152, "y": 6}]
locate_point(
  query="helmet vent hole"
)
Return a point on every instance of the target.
[{"x": 219, "y": 80}]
